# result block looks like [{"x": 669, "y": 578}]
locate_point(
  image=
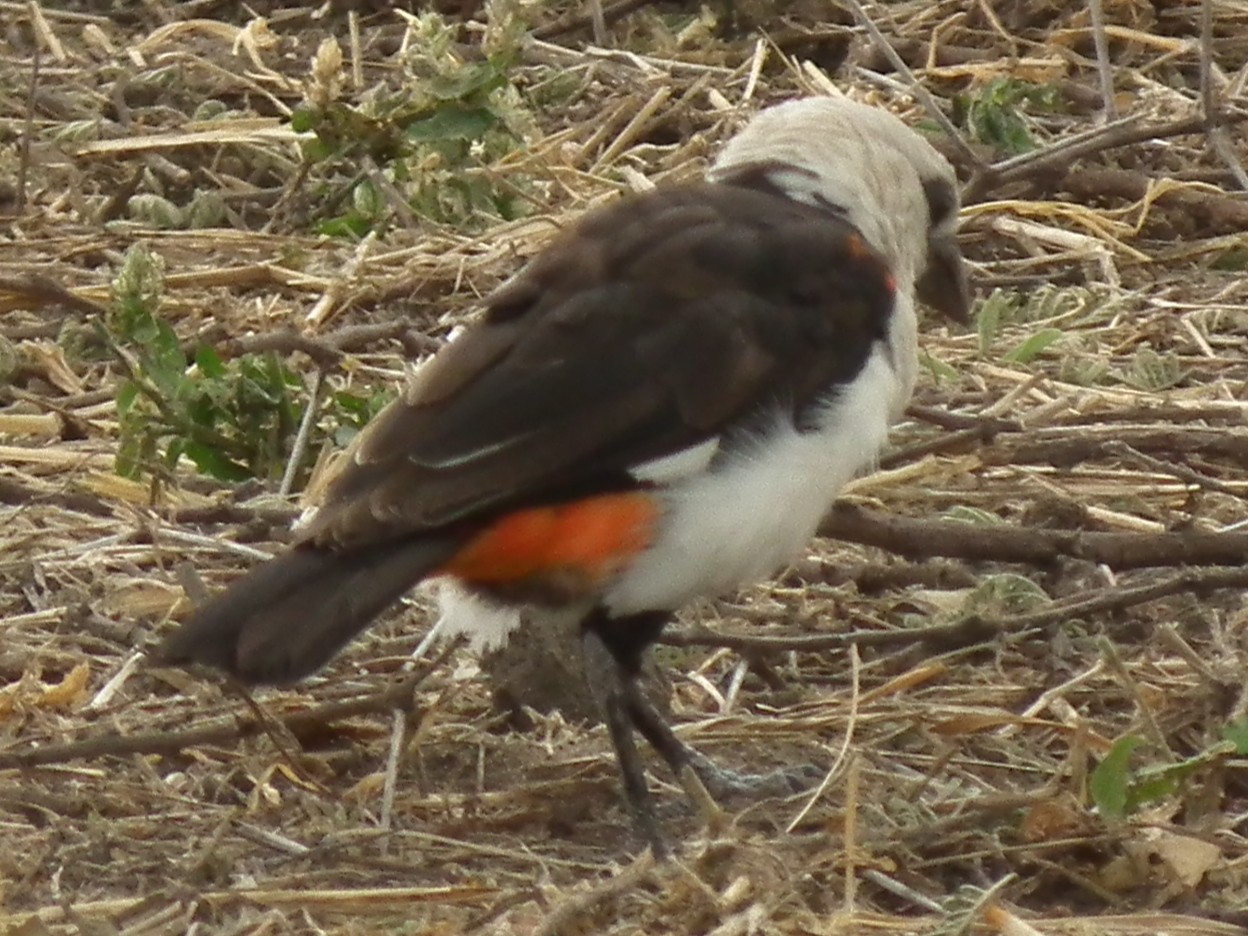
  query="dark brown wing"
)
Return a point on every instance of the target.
[{"x": 649, "y": 327}]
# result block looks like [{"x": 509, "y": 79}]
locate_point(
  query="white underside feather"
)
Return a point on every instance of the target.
[{"x": 734, "y": 523}]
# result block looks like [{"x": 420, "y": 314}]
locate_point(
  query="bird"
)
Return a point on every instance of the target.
[{"x": 660, "y": 406}]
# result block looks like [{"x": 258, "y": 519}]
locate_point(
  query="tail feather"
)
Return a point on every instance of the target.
[{"x": 292, "y": 614}]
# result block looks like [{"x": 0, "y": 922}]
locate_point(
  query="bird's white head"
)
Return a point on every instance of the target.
[{"x": 864, "y": 164}]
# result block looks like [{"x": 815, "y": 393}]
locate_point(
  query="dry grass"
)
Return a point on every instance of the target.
[{"x": 956, "y": 799}]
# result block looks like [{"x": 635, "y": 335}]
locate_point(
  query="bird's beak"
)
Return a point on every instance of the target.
[{"x": 943, "y": 285}]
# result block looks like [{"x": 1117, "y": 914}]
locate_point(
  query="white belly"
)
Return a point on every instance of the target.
[
  {"x": 756, "y": 510},
  {"x": 737, "y": 523}
]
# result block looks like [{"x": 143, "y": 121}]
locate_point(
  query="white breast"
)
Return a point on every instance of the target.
[
  {"x": 756, "y": 509},
  {"x": 733, "y": 518}
]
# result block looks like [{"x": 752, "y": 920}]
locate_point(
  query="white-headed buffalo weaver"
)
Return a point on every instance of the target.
[{"x": 662, "y": 405}]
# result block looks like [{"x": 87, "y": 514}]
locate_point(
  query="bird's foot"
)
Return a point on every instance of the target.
[{"x": 722, "y": 783}]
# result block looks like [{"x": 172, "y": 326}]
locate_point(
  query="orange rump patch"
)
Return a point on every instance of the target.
[{"x": 591, "y": 538}]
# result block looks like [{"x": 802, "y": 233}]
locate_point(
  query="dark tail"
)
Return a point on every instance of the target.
[{"x": 292, "y": 614}]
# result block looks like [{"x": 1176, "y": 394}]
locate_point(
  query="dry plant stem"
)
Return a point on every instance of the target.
[
  {"x": 1208, "y": 102},
  {"x": 968, "y": 155},
  {"x": 300, "y": 445},
  {"x": 1218, "y": 140},
  {"x": 853, "y": 784},
  {"x": 982, "y": 434},
  {"x": 1182, "y": 472},
  {"x": 326, "y": 351},
  {"x": 948, "y": 419},
  {"x": 985, "y": 899},
  {"x": 579, "y": 914},
  {"x": 19, "y": 494},
  {"x": 973, "y": 628},
  {"x": 1103, "y": 67},
  {"x": 609, "y": 14},
  {"x": 1080, "y": 144},
  {"x": 282, "y": 738},
  {"x": 398, "y": 731},
  {"x": 855, "y": 698},
  {"x": 927, "y": 538},
  {"x": 398, "y": 694},
  {"x": 394, "y": 198},
  {"x": 1119, "y": 668},
  {"x": 1125, "y": 132},
  {"x": 901, "y": 890},
  {"x": 1219, "y": 213},
  {"x": 599, "y": 22},
  {"x": 28, "y": 131},
  {"x": 43, "y": 290},
  {"x": 777, "y": 641}
]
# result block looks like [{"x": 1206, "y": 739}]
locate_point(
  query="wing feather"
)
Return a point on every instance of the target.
[{"x": 651, "y": 327}]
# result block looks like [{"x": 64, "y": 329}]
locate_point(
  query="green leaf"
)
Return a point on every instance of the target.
[
  {"x": 317, "y": 150},
  {"x": 214, "y": 463},
  {"x": 1152, "y": 371},
  {"x": 937, "y": 368},
  {"x": 1029, "y": 349},
  {"x": 1109, "y": 784},
  {"x": 209, "y": 363},
  {"x": 303, "y": 120},
  {"x": 468, "y": 81},
  {"x": 126, "y": 395},
  {"x": 1237, "y": 734},
  {"x": 452, "y": 122},
  {"x": 173, "y": 451},
  {"x": 966, "y": 514},
  {"x": 987, "y": 322},
  {"x": 356, "y": 406},
  {"x": 127, "y": 462},
  {"x": 350, "y": 226},
  {"x": 162, "y": 360},
  {"x": 366, "y": 200},
  {"x": 995, "y": 115}
]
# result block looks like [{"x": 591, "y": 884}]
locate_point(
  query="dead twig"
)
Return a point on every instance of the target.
[
  {"x": 1001, "y": 543},
  {"x": 1104, "y": 69},
  {"x": 40, "y": 290},
  {"x": 326, "y": 351},
  {"x": 572, "y": 915},
  {"x": 971, "y": 629},
  {"x": 222, "y": 731},
  {"x": 597, "y": 18},
  {"x": 28, "y": 129},
  {"x": 1218, "y": 140},
  {"x": 1121, "y": 133}
]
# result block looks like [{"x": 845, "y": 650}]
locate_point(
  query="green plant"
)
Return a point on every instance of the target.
[
  {"x": 351, "y": 412},
  {"x": 939, "y": 370},
  {"x": 436, "y": 138},
  {"x": 995, "y": 114},
  {"x": 1118, "y": 791},
  {"x": 232, "y": 419},
  {"x": 1151, "y": 371},
  {"x": 998, "y": 309},
  {"x": 1005, "y": 595},
  {"x": 1065, "y": 305}
]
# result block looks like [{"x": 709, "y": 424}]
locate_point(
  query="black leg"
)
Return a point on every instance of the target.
[
  {"x": 613, "y": 686},
  {"x": 613, "y": 651},
  {"x": 719, "y": 781}
]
